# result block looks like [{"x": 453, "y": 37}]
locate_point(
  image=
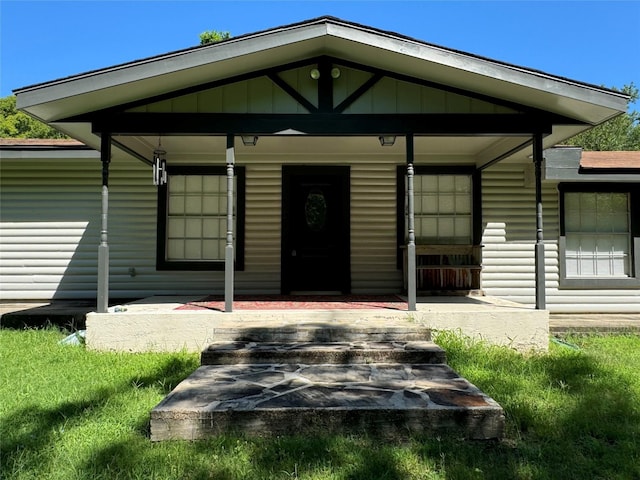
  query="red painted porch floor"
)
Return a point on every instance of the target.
[{"x": 299, "y": 302}]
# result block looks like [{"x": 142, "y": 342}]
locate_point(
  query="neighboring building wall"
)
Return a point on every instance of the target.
[{"x": 509, "y": 238}]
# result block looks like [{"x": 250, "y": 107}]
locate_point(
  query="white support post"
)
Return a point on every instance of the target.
[
  {"x": 411, "y": 240},
  {"x": 103, "y": 248},
  {"x": 229, "y": 257}
]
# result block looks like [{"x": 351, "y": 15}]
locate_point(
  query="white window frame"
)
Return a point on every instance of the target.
[
  {"x": 606, "y": 281},
  {"x": 164, "y": 260}
]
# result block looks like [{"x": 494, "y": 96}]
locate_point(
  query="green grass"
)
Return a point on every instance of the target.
[{"x": 67, "y": 413}]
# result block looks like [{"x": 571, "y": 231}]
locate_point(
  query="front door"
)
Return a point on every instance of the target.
[{"x": 315, "y": 229}]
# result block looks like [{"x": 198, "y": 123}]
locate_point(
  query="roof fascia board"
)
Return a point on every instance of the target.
[
  {"x": 482, "y": 66},
  {"x": 158, "y": 66},
  {"x": 329, "y": 35}
]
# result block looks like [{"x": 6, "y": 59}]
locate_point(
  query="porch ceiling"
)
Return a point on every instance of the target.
[{"x": 436, "y": 149}]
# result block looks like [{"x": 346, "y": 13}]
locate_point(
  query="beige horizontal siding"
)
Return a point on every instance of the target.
[
  {"x": 509, "y": 239},
  {"x": 50, "y": 230}
]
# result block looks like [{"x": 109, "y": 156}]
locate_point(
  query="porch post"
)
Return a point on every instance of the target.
[
  {"x": 103, "y": 249},
  {"x": 411, "y": 240},
  {"x": 539, "y": 249},
  {"x": 228, "y": 258}
]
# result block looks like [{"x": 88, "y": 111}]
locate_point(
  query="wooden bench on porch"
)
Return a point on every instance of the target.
[{"x": 445, "y": 267}]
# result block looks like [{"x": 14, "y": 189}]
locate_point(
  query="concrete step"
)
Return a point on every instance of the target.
[
  {"x": 229, "y": 353},
  {"x": 322, "y": 332},
  {"x": 393, "y": 400}
]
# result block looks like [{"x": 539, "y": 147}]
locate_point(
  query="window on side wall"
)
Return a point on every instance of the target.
[
  {"x": 192, "y": 219},
  {"x": 599, "y": 236}
]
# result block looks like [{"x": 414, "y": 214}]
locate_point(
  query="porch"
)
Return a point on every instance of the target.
[{"x": 171, "y": 323}]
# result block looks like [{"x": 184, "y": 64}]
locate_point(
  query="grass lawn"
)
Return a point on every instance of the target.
[{"x": 66, "y": 413}]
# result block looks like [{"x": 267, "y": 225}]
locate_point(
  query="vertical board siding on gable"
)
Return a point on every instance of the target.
[{"x": 508, "y": 253}]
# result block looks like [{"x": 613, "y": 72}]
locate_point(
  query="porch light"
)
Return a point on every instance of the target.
[
  {"x": 159, "y": 167},
  {"x": 315, "y": 73},
  {"x": 249, "y": 140},
  {"x": 335, "y": 72},
  {"x": 387, "y": 140}
]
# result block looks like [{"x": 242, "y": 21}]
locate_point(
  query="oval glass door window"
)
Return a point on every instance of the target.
[{"x": 315, "y": 210}]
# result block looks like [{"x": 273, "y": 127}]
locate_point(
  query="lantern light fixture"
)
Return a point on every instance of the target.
[
  {"x": 387, "y": 140},
  {"x": 249, "y": 140}
]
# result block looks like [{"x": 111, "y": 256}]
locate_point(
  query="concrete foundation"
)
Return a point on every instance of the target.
[{"x": 154, "y": 324}]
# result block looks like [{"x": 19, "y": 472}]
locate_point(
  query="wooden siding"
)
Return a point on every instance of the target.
[
  {"x": 261, "y": 95},
  {"x": 509, "y": 239}
]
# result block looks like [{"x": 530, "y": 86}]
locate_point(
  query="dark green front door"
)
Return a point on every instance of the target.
[{"x": 315, "y": 229}]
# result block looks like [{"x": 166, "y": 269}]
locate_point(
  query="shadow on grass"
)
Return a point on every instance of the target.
[
  {"x": 28, "y": 435},
  {"x": 568, "y": 416}
]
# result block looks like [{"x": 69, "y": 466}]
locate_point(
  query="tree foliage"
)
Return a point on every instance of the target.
[
  {"x": 619, "y": 133},
  {"x": 213, "y": 36},
  {"x": 15, "y": 124}
]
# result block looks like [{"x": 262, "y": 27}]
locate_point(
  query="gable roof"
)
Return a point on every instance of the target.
[{"x": 57, "y": 100}]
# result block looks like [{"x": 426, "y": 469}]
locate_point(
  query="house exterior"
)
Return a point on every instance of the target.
[{"x": 323, "y": 156}]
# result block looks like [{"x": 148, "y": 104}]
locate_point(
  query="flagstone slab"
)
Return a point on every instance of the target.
[
  {"x": 314, "y": 352},
  {"x": 389, "y": 399}
]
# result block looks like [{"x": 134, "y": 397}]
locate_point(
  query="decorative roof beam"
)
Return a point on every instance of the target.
[
  {"x": 140, "y": 123},
  {"x": 292, "y": 92}
]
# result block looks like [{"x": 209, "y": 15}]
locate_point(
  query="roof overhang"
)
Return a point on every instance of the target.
[{"x": 61, "y": 99}]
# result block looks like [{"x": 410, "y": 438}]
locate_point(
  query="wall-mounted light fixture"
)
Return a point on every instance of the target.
[
  {"x": 387, "y": 140},
  {"x": 249, "y": 140},
  {"x": 314, "y": 73},
  {"x": 335, "y": 73},
  {"x": 159, "y": 166}
]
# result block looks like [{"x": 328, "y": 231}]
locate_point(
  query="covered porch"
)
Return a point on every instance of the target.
[{"x": 288, "y": 161}]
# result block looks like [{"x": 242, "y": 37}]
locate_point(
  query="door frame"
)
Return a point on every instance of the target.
[{"x": 343, "y": 177}]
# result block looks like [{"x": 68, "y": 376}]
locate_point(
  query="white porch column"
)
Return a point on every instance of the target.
[
  {"x": 228, "y": 258},
  {"x": 539, "y": 248},
  {"x": 411, "y": 240},
  {"x": 103, "y": 248}
]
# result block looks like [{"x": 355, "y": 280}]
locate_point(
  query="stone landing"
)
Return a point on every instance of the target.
[{"x": 391, "y": 389}]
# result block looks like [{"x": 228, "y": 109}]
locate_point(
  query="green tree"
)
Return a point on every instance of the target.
[
  {"x": 15, "y": 124},
  {"x": 619, "y": 133},
  {"x": 213, "y": 36}
]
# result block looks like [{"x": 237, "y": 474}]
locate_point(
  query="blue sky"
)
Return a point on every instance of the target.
[{"x": 591, "y": 41}]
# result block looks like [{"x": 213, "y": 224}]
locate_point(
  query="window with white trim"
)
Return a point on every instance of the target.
[
  {"x": 192, "y": 218},
  {"x": 443, "y": 209},
  {"x": 597, "y": 236}
]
